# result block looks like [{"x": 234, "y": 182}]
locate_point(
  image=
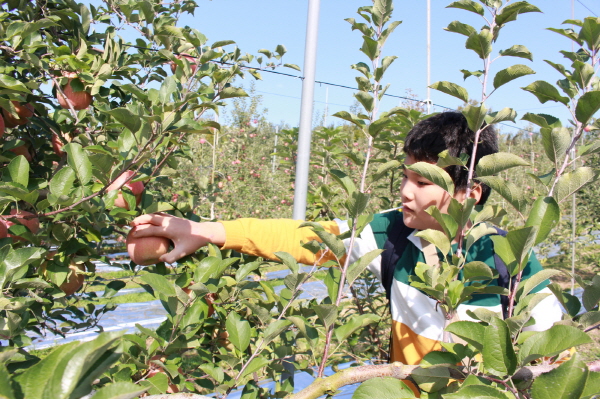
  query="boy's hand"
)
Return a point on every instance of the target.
[{"x": 187, "y": 236}]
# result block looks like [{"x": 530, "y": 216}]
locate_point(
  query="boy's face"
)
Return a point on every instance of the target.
[{"x": 418, "y": 194}]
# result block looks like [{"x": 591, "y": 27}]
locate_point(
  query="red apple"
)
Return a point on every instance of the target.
[
  {"x": 57, "y": 143},
  {"x": 79, "y": 99},
  {"x": 146, "y": 251},
  {"x": 587, "y": 128},
  {"x": 189, "y": 58},
  {"x": 25, "y": 111},
  {"x": 73, "y": 282},
  {"x": 137, "y": 188},
  {"x": 3, "y": 229},
  {"x": 22, "y": 150},
  {"x": 33, "y": 224}
]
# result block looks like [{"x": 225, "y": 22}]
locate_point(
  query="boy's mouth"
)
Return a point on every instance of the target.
[{"x": 407, "y": 209}]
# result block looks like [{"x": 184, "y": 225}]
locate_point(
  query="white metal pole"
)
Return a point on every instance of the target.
[
  {"x": 306, "y": 111},
  {"x": 326, "y": 106},
  {"x": 274, "y": 152},
  {"x": 428, "y": 56}
]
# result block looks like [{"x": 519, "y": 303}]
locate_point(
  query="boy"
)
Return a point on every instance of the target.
[{"x": 417, "y": 321}]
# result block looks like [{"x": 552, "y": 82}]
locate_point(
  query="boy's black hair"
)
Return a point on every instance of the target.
[{"x": 450, "y": 131}]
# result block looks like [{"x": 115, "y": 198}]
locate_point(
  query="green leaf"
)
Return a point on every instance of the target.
[
  {"x": 452, "y": 89},
  {"x": 11, "y": 83},
  {"x": 542, "y": 120},
  {"x": 221, "y": 43},
  {"x": 556, "y": 142},
  {"x": 357, "y": 203},
  {"x": 505, "y": 114},
  {"x": 517, "y": 51},
  {"x": 333, "y": 243},
  {"x": 567, "y": 381},
  {"x": 478, "y": 392},
  {"x": 591, "y": 293},
  {"x": 511, "y": 73},
  {"x": 344, "y": 180},
  {"x": 274, "y": 329},
  {"x": 545, "y": 214},
  {"x": 470, "y": 331},
  {"x": 477, "y": 270},
  {"x": 434, "y": 174},
  {"x": 357, "y": 267},
  {"x": 231, "y": 92},
  {"x": 592, "y": 386},
  {"x": 511, "y": 11},
  {"x": 62, "y": 182},
  {"x": 6, "y": 391},
  {"x": 385, "y": 63},
  {"x": 18, "y": 170},
  {"x": 459, "y": 27},
  {"x": 508, "y": 190},
  {"x": 587, "y": 106},
  {"x": 239, "y": 331},
  {"x": 311, "y": 334},
  {"x": 327, "y": 313},
  {"x": 551, "y": 342},
  {"x": 437, "y": 238},
  {"x": 447, "y": 222},
  {"x": 468, "y": 5},
  {"x": 365, "y": 99},
  {"x": 495, "y": 163},
  {"x": 521, "y": 241},
  {"x": 369, "y": 48},
  {"x": 383, "y": 388},
  {"x": 119, "y": 390},
  {"x": 383, "y": 169},
  {"x": 127, "y": 118},
  {"x": 590, "y": 33},
  {"x": 431, "y": 379},
  {"x": 347, "y": 116},
  {"x": 255, "y": 365},
  {"x": 79, "y": 161},
  {"x": 571, "y": 182},
  {"x": 159, "y": 283},
  {"x": 544, "y": 91},
  {"x": 345, "y": 330},
  {"x": 288, "y": 260},
  {"x": 332, "y": 282},
  {"x": 475, "y": 116},
  {"x": 481, "y": 43},
  {"x": 498, "y": 353},
  {"x": 377, "y": 126}
]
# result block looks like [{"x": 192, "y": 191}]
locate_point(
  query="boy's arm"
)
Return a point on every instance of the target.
[{"x": 250, "y": 236}]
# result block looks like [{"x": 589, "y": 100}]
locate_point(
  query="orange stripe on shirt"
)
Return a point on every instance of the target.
[{"x": 263, "y": 238}]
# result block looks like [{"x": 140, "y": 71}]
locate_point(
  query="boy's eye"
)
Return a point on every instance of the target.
[{"x": 423, "y": 183}]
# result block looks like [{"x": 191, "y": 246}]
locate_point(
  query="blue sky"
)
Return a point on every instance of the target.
[
  {"x": 267, "y": 23},
  {"x": 263, "y": 24}
]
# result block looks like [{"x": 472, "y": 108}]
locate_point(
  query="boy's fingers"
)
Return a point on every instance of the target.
[
  {"x": 173, "y": 256},
  {"x": 157, "y": 219},
  {"x": 147, "y": 230}
]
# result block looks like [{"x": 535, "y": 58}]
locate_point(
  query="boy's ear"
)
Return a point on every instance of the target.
[{"x": 476, "y": 192}]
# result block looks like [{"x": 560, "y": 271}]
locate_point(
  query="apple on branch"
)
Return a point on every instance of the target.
[
  {"x": 137, "y": 188},
  {"x": 24, "y": 112},
  {"x": 22, "y": 150},
  {"x": 191, "y": 59},
  {"x": 78, "y": 99},
  {"x": 145, "y": 251},
  {"x": 20, "y": 217}
]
